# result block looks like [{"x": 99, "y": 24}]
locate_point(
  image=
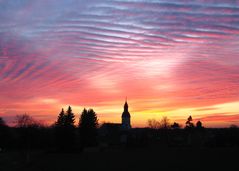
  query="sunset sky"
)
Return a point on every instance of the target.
[{"x": 171, "y": 58}]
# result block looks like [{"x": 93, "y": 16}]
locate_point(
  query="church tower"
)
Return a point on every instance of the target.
[{"x": 126, "y": 117}]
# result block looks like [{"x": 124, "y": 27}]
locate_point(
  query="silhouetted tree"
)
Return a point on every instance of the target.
[
  {"x": 60, "y": 132},
  {"x": 25, "y": 121},
  {"x": 189, "y": 123},
  {"x": 175, "y": 125},
  {"x": 153, "y": 124},
  {"x": 65, "y": 130},
  {"x": 65, "y": 119},
  {"x": 2, "y": 123},
  {"x": 70, "y": 129},
  {"x": 61, "y": 119},
  {"x": 28, "y": 133},
  {"x": 88, "y": 124},
  {"x": 4, "y": 134},
  {"x": 199, "y": 125},
  {"x": 233, "y": 126},
  {"x": 164, "y": 122},
  {"x": 69, "y": 118}
]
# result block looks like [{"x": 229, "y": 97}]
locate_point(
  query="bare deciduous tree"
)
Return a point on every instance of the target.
[
  {"x": 25, "y": 121},
  {"x": 153, "y": 124},
  {"x": 164, "y": 123}
]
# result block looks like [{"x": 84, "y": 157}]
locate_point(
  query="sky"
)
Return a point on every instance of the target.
[{"x": 171, "y": 58}]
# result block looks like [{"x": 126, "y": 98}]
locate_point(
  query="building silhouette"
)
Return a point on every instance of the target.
[
  {"x": 126, "y": 117},
  {"x": 109, "y": 128}
]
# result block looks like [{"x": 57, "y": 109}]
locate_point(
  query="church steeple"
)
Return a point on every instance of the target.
[
  {"x": 126, "y": 116},
  {"x": 126, "y": 106}
]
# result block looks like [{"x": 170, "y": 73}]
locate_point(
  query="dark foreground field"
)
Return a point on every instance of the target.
[{"x": 125, "y": 159}]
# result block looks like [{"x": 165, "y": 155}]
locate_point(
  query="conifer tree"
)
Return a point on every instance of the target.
[
  {"x": 83, "y": 117},
  {"x": 65, "y": 130},
  {"x": 61, "y": 119},
  {"x": 69, "y": 118},
  {"x": 88, "y": 124}
]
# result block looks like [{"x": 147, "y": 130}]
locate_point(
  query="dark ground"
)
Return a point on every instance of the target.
[{"x": 125, "y": 159}]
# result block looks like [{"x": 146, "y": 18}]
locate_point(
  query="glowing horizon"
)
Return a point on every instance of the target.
[{"x": 170, "y": 58}]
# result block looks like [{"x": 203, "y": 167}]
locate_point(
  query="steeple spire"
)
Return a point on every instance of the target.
[
  {"x": 126, "y": 116},
  {"x": 126, "y": 105}
]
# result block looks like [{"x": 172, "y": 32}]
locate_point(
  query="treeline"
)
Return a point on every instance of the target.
[
  {"x": 63, "y": 135},
  {"x": 67, "y": 136},
  {"x": 164, "y": 123},
  {"x": 74, "y": 134}
]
